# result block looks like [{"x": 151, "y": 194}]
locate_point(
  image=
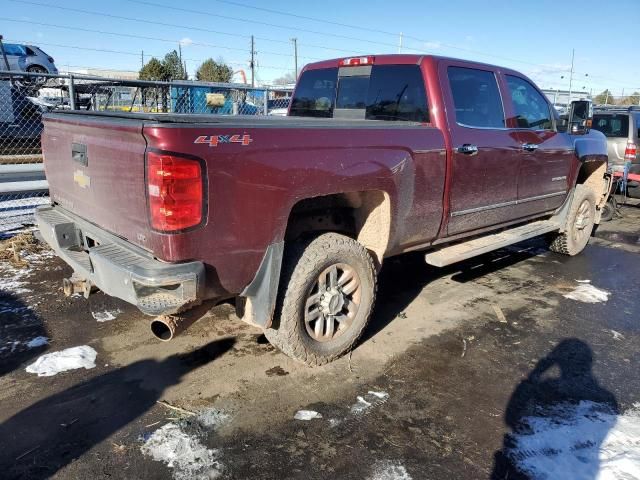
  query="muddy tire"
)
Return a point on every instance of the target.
[
  {"x": 326, "y": 296},
  {"x": 609, "y": 209},
  {"x": 580, "y": 222}
]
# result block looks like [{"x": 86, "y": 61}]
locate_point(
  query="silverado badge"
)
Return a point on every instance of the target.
[{"x": 82, "y": 179}]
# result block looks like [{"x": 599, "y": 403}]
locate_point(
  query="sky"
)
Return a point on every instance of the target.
[{"x": 535, "y": 38}]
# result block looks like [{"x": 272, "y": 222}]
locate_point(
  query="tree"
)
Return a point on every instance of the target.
[
  {"x": 633, "y": 99},
  {"x": 154, "y": 69},
  {"x": 174, "y": 66},
  {"x": 287, "y": 79},
  {"x": 211, "y": 71},
  {"x": 604, "y": 98}
]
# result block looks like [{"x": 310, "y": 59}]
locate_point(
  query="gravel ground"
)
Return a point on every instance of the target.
[{"x": 508, "y": 366}]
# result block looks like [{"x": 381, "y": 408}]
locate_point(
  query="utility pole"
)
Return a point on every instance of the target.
[
  {"x": 295, "y": 55},
  {"x": 253, "y": 63},
  {"x": 400, "y": 43},
  {"x": 142, "y": 58},
  {"x": 573, "y": 52}
]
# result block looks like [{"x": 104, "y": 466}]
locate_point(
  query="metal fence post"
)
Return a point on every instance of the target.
[
  {"x": 72, "y": 93},
  {"x": 266, "y": 101}
]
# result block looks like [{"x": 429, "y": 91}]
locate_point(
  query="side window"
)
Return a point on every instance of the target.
[
  {"x": 13, "y": 49},
  {"x": 396, "y": 92},
  {"x": 531, "y": 108},
  {"x": 476, "y": 97},
  {"x": 315, "y": 94}
]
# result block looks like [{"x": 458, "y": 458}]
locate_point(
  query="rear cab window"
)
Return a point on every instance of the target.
[
  {"x": 377, "y": 92},
  {"x": 476, "y": 97},
  {"x": 611, "y": 124}
]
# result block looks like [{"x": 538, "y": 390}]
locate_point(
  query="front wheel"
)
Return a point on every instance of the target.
[
  {"x": 580, "y": 222},
  {"x": 326, "y": 296}
]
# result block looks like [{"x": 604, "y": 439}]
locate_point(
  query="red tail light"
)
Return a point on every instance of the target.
[
  {"x": 630, "y": 152},
  {"x": 174, "y": 184},
  {"x": 356, "y": 61}
]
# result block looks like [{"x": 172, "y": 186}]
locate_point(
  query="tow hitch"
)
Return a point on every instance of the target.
[{"x": 74, "y": 284}]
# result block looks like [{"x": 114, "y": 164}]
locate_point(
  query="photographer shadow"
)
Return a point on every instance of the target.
[{"x": 545, "y": 414}]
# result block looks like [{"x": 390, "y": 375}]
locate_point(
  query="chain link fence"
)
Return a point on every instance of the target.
[{"x": 25, "y": 97}]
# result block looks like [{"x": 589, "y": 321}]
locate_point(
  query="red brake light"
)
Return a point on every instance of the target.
[
  {"x": 356, "y": 61},
  {"x": 630, "y": 152},
  {"x": 174, "y": 185}
]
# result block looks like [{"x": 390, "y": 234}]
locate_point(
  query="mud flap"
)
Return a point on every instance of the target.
[{"x": 258, "y": 300}]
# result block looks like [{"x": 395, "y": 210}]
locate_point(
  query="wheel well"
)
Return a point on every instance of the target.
[
  {"x": 364, "y": 216},
  {"x": 592, "y": 175}
]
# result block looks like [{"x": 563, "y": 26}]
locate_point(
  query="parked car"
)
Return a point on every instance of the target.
[
  {"x": 294, "y": 216},
  {"x": 27, "y": 58},
  {"x": 20, "y": 121},
  {"x": 621, "y": 126}
]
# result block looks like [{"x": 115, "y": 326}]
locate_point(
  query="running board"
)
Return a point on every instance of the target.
[{"x": 472, "y": 248}]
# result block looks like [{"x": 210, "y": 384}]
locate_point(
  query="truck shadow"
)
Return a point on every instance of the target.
[
  {"x": 46, "y": 436},
  {"x": 22, "y": 333},
  {"x": 558, "y": 417},
  {"x": 403, "y": 278}
]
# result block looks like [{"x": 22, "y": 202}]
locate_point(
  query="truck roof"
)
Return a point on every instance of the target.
[{"x": 404, "y": 59}]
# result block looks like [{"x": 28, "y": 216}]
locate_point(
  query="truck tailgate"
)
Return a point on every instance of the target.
[{"x": 95, "y": 168}]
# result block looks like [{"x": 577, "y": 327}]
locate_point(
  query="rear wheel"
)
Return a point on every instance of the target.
[
  {"x": 327, "y": 292},
  {"x": 580, "y": 222},
  {"x": 609, "y": 209}
]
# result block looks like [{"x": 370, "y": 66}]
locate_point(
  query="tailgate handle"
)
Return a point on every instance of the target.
[{"x": 79, "y": 154}]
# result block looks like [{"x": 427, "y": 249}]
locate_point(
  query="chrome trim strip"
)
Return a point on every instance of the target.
[{"x": 506, "y": 204}]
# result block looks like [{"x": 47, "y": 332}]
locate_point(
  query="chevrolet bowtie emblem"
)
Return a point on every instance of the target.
[{"x": 81, "y": 179}]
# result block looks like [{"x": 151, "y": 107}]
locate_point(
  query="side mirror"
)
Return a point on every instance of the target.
[{"x": 580, "y": 117}]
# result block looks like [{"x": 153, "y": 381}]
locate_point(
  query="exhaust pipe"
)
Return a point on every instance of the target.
[{"x": 167, "y": 327}]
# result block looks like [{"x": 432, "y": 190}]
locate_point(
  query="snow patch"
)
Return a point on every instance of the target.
[
  {"x": 387, "y": 470},
  {"x": 587, "y": 293},
  {"x": 189, "y": 459},
  {"x": 106, "y": 315},
  {"x": 50, "y": 364},
  {"x": 583, "y": 441},
  {"x": 212, "y": 417},
  {"x": 37, "y": 342},
  {"x": 306, "y": 415},
  {"x": 365, "y": 402}
]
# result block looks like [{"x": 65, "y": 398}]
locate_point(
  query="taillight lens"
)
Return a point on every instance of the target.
[
  {"x": 175, "y": 190},
  {"x": 630, "y": 152},
  {"x": 356, "y": 61}
]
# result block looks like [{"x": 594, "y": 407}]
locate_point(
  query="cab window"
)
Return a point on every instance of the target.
[
  {"x": 530, "y": 107},
  {"x": 476, "y": 97}
]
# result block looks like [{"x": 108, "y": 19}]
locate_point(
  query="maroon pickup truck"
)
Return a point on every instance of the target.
[{"x": 294, "y": 216}]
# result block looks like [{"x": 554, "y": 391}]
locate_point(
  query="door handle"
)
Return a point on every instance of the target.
[
  {"x": 530, "y": 147},
  {"x": 468, "y": 149}
]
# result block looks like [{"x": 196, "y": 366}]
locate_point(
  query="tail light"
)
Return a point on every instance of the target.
[
  {"x": 356, "y": 61},
  {"x": 50, "y": 59},
  {"x": 630, "y": 152},
  {"x": 175, "y": 188}
]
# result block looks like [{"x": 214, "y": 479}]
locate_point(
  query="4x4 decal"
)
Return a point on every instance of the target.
[{"x": 215, "y": 140}]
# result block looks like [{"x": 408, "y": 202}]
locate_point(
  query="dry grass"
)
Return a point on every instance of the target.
[{"x": 12, "y": 248}]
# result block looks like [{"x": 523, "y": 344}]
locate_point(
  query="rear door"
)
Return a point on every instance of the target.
[
  {"x": 14, "y": 53},
  {"x": 546, "y": 156},
  {"x": 485, "y": 160}
]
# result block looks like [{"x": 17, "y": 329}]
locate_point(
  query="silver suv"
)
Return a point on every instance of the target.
[
  {"x": 26, "y": 58},
  {"x": 621, "y": 126}
]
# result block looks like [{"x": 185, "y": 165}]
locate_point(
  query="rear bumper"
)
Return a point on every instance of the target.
[{"x": 119, "y": 268}]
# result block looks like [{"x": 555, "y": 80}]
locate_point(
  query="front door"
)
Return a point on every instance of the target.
[
  {"x": 483, "y": 190},
  {"x": 547, "y": 156}
]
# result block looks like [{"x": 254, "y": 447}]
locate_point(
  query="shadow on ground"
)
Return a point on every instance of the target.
[
  {"x": 561, "y": 379},
  {"x": 43, "y": 438},
  {"x": 19, "y": 325}
]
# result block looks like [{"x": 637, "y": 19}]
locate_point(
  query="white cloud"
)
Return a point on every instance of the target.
[
  {"x": 185, "y": 42},
  {"x": 432, "y": 45}
]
